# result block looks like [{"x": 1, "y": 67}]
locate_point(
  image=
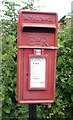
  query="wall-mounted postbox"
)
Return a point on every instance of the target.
[{"x": 37, "y": 53}]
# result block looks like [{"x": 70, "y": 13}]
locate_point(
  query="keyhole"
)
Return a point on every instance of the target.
[{"x": 27, "y": 74}]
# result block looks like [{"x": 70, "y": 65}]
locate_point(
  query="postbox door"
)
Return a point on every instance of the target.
[{"x": 37, "y": 53}]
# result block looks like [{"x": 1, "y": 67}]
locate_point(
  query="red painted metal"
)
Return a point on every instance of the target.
[{"x": 36, "y": 30}]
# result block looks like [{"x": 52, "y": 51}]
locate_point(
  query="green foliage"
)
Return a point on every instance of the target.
[
  {"x": 63, "y": 106},
  {"x": 30, "y": 5},
  {"x": 10, "y": 108}
]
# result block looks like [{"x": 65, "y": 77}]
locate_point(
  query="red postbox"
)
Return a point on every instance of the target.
[{"x": 37, "y": 53}]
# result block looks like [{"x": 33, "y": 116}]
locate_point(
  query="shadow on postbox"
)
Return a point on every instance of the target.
[{"x": 37, "y": 53}]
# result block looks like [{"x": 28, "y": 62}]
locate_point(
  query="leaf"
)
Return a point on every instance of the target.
[
  {"x": 72, "y": 98},
  {"x": 49, "y": 106},
  {"x": 7, "y": 109},
  {"x": 8, "y": 100},
  {"x": 61, "y": 113}
]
